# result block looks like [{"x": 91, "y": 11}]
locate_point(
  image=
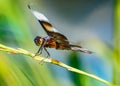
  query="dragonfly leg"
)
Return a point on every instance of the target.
[
  {"x": 48, "y": 54},
  {"x": 39, "y": 50}
]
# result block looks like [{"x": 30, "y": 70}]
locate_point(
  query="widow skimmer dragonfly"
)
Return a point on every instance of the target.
[{"x": 54, "y": 38}]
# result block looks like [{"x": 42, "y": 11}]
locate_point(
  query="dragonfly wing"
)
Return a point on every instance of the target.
[{"x": 50, "y": 30}]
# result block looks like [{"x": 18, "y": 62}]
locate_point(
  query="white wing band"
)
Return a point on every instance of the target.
[{"x": 40, "y": 16}]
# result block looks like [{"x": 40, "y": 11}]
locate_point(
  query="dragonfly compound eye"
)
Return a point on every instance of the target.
[{"x": 38, "y": 40}]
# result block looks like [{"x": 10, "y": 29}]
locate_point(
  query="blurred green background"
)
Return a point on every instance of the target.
[{"x": 94, "y": 24}]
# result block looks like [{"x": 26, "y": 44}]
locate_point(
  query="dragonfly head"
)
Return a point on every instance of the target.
[{"x": 38, "y": 40}]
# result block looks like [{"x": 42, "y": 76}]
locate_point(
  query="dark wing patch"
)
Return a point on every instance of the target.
[
  {"x": 47, "y": 26},
  {"x": 52, "y": 32}
]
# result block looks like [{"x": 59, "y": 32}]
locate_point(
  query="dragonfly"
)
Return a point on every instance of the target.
[{"x": 54, "y": 39}]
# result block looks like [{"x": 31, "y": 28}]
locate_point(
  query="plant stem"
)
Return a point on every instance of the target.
[
  {"x": 53, "y": 61},
  {"x": 116, "y": 39}
]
